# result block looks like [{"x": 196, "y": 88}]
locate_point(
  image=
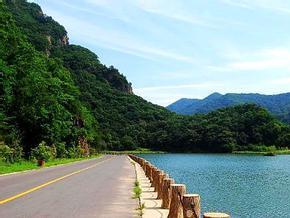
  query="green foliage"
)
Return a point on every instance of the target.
[
  {"x": 141, "y": 208},
  {"x": 278, "y": 105},
  {"x": 80, "y": 60},
  {"x": 16, "y": 166},
  {"x": 28, "y": 165},
  {"x": 260, "y": 148},
  {"x": 42, "y": 152},
  {"x": 41, "y": 30},
  {"x": 9, "y": 154},
  {"x": 266, "y": 148},
  {"x": 225, "y": 130},
  {"x": 128, "y": 143},
  {"x": 38, "y": 96},
  {"x": 61, "y": 151},
  {"x": 284, "y": 140},
  {"x": 136, "y": 183},
  {"x": 74, "y": 152},
  {"x": 137, "y": 190}
]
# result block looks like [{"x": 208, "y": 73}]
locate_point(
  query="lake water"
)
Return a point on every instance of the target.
[{"x": 244, "y": 186}]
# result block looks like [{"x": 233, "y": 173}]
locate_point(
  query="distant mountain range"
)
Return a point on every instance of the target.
[{"x": 278, "y": 105}]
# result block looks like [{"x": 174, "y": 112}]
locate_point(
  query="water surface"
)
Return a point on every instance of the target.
[{"x": 244, "y": 186}]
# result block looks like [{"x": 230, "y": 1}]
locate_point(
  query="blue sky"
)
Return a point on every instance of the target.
[{"x": 185, "y": 48}]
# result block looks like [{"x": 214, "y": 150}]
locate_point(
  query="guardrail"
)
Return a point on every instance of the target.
[{"x": 174, "y": 196}]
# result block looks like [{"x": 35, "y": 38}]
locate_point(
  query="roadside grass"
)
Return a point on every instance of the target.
[
  {"x": 137, "y": 194},
  {"x": 30, "y": 165},
  {"x": 141, "y": 208},
  {"x": 16, "y": 167},
  {"x": 58, "y": 161},
  {"x": 137, "y": 190}
]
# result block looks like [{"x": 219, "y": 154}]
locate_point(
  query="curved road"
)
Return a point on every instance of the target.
[{"x": 93, "y": 188}]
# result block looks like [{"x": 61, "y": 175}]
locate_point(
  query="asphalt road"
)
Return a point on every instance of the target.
[{"x": 94, "y": 188}]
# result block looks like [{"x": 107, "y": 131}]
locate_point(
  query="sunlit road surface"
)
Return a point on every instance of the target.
[{"x": 94, "y": 188}]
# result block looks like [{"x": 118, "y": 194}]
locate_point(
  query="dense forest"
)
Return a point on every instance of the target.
[{"x": 59, "y": 96}]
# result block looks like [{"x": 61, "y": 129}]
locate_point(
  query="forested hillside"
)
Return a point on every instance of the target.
[
  {"x": 61, "y": 95},
  {"x": 278, "y": 105}
]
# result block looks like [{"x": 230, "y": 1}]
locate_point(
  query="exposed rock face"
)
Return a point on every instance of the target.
[
  {"x": 125, "y": 87},
  {"x": 41, "y": 14},
  {"x": 130, "y": 89},
  {"x": 47, "y": 49},
  {"x": 49, "y": 40},
  {"x": 64, "y": 40},
  {"x": 117, "y": 80}
]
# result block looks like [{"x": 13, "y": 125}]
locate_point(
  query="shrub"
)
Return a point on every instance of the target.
[
  {"x": 284, "y": 140},
  {"x": 74, "y": 152},
  {"x": 227, "y": 148},
  {"x": 93, "y": 151},
  {"x": 11, "y": 155},
  {"x": 53, "y": 151},
  {"x": 42, "y": 152},
  {"x": 61, "y": 151},
  {"x": 260, "y": 148}
]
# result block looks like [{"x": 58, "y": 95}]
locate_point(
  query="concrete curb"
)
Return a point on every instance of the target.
[{"x": 148, "y": 197}]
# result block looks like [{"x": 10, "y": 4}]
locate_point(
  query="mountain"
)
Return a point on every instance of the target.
[
  {"x": 61, "y": 95},
  {"x": 49, "y": 37},
  {"x": 278, "y": 105},
  {"x": 57, "y": 92}
]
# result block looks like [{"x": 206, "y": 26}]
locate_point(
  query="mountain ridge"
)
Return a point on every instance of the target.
[{"x": 277, "y": 104}]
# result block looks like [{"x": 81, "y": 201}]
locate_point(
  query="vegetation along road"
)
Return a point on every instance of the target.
[{"x": 94, "y": 188}]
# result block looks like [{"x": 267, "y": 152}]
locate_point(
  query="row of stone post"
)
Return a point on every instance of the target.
[{"x": 173, "y": 196}]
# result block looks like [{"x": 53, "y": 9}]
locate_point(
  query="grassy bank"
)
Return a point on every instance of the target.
[
  {"x": 30, "y": 165},
  {"x": 265, "y": 153},
  {"x": 137, "y": 151}
]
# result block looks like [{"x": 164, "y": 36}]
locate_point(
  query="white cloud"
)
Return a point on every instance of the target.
[
  {"x": 120, "y": 10},
  {"x": 240, "y": 4},
  {"x": 171, "y": 75},
  {"x": 281, "y": 81},
  {"x": 182, "y": 86},
  {"x": 164, "y": 95},
  {"x": 136, "y": 30},
  {"x": 274, "y": 5},
  {"x": 265, "y": 59},
  {"x": 170, "y": 10},
  {"x": 175, "y": 10},
  {"x": 104, "y": 3},
  {"x": 119, "y": 41},
  {"x": 259, "y": 64},
  {"x": 161, "y": 8}
]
